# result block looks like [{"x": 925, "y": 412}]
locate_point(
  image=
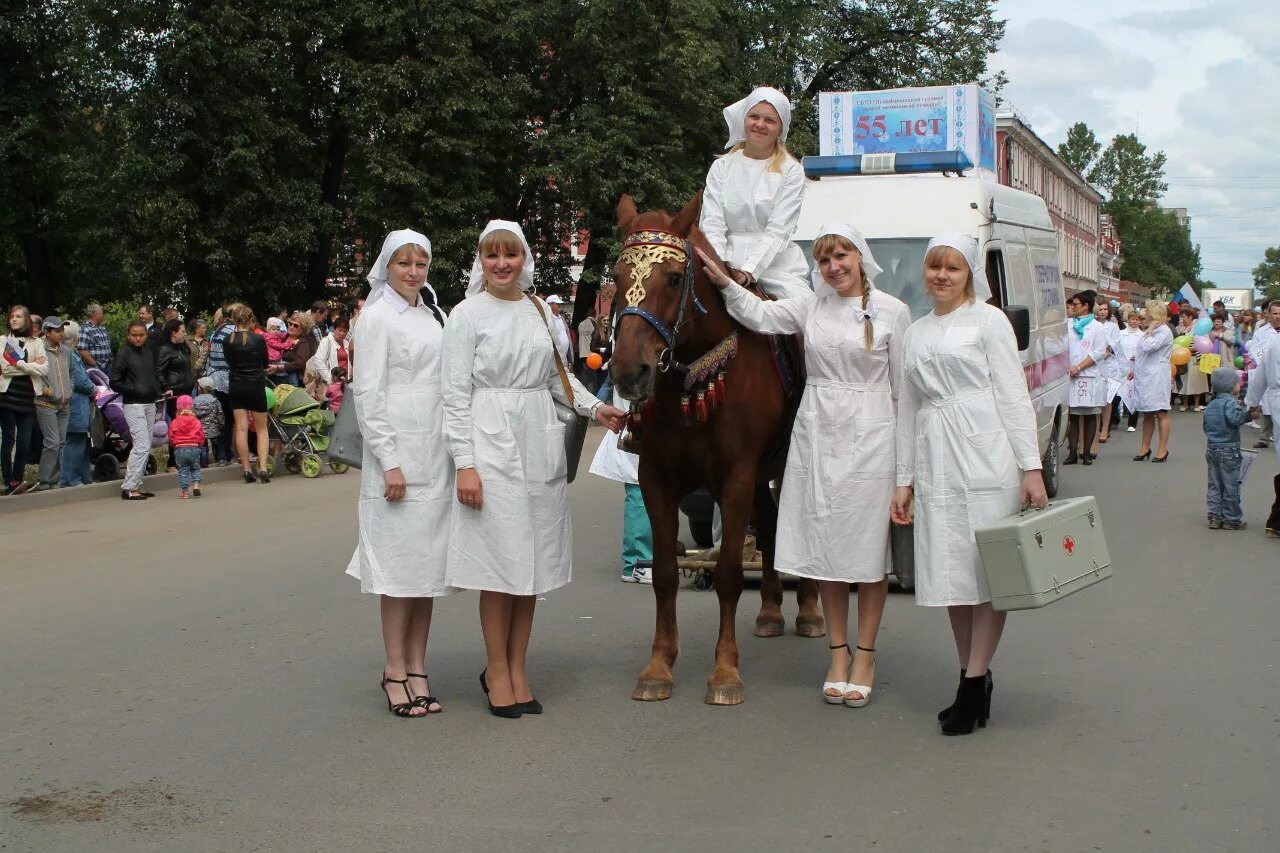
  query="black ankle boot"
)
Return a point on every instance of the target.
[
  {"x": 946, "y": 712},
  {"x": 971, "y": 708}
]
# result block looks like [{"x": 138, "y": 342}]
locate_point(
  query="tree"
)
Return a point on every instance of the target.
[
  {"x": 1156, "y": 250},
  {"x": 1080, "y": 149},
  {"x": 1127, "y": 174},
  {"x": 1266, "y": 275}
]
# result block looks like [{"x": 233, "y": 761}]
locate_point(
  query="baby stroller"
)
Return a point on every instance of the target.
[
  {"x": 109, "y": 439},
  {"x": 297, "y": 420}
]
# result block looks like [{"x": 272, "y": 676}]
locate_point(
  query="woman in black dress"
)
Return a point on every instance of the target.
[{"x": 246, "y": 354}]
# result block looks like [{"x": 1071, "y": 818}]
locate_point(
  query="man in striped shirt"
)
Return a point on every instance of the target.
[{"x": 95, "y": 345}]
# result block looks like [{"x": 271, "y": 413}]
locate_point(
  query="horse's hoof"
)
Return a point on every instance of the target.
[
  {"x": 724, "y": 694},
  {"x": 770, "y": 629},
  {"x": 651, "y": 691},
  {"x": 812, "y": 628}
]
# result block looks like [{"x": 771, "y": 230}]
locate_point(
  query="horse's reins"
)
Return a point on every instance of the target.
[{"x": 641, "y": 251}]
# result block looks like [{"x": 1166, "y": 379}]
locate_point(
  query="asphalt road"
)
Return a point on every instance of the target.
[{"x": 201, "y": 675}]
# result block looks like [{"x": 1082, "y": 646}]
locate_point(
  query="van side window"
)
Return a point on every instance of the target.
[{"x": 997, "y": 278}]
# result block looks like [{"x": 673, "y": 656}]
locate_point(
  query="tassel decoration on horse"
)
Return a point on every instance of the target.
[
  {"x": 720, "y": 386},
  {"x": 685, "y": 419},
  {"x": 701, "y": 406}
]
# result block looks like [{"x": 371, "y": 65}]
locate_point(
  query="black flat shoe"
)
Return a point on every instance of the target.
[
  {"x": 1158, "y": 459},
  {"x": 125, "y": 496},
  {"x": 1071, "y": 459},
  {"x": 1088, "y": 458},
  {"x": 1142, "y": 457},
  {"x": 507, "y": 712}
]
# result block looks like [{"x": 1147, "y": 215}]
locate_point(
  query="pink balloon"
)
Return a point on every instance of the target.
[{"x": 1202, "y": 344}]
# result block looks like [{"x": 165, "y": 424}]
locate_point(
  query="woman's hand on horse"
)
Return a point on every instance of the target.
[
  {"x": 610, "y": 416},
  {"x": 715, "y": 272},
  {"x": 900, "y": 509},
  {"x": 393, "y": 485},
  {"x": 470, "y": 491},
  {"x": 1033, "y": 491}
]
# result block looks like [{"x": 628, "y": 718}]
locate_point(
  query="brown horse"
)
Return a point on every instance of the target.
[{"x": 714, "y": 423}]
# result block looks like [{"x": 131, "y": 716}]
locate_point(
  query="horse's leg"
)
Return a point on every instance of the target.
[
  {"x": 656, "y": 680},
  {"x": 769, "y": 621},
  {"x": 809, "y": 620},
  {"x": 724, "y": 687}
]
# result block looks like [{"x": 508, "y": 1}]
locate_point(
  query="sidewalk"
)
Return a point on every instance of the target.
[{"x": 158, "y": 483}]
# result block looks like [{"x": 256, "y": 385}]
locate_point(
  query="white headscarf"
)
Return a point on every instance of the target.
[
  {"x": 735, "y": 115},
  {"x": 870, "y": 269},
  {"x": 476, "y": 282},
  {"x": 378, "y": 277},
  {"x": 968, "y": 246}
]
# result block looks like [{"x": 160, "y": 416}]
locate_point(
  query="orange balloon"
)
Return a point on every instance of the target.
[
  {"x": 594, "y": 361},
  {"x": 1173, "y": 371},
  {"x": 1181, "y": 355}
]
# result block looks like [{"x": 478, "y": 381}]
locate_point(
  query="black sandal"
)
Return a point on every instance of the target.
[
  {"x": 424, "y": 702},
  {"x": 401, "y": 709}
]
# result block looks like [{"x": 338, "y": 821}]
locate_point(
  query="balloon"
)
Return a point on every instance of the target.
[
  {"x": 1203, "y": 326},
  {"x": 1173, "y": 374},
  {"x": 1181, "y": 355},
  {"x": 594, "y": 361},
  {"x": 1173, "y": 309},
  {"x": 271, "y": 398},
  {"x": 1202, "y": 344},
  {"x": 1182, "y": 341},
  {"x": 1239, "y": 361},
  {"x": 1115, "y": 303}
]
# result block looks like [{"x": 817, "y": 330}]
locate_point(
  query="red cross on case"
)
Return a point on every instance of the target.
[{"x": 1069, "y": 545}]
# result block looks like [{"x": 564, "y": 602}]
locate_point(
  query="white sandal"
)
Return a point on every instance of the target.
[
  {"x": 841, "y": 687},
  {"x": 864, "y": 689}
]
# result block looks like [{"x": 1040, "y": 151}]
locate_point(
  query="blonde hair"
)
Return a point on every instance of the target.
[
  {"x": 305, "y": 321},
  {"x": 828, "y": 243},
  {"x": 241, "y": 315},
  {"x": 502, "y": 241},
  {"x": 408, "y": 249},
  {"x": 780, "y": 155},
  {"x": 1157, "y": 311},
  {"x": 940, "y": 255}
]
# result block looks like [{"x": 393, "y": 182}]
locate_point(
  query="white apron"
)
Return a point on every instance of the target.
[
  {"x": 833, "y": 516},
  {"x": 396, "y": 392},
  {"x": 499, "y": 377},
  {"x": 1152, "y": 382},
  {"x": 975, "y": 434},
  {"x": 1089, "y": 388},
  {"x": 749, "y": 215}
]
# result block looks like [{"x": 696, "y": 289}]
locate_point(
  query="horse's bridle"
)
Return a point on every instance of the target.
[{"x": 641, "y": 251}]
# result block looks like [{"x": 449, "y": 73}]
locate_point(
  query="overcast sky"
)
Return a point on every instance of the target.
[{"x": 1197, "y": 80}]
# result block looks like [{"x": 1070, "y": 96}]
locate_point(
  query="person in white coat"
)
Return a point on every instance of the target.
[
  {"x": 406, "y": 483},
  {"x": 560, "y": 329},
  {"x": 847, "y": 451},
  {"x": 1128, "y": 343},
  {"x": 1087, "y": 343},
  {"x": 1114, "y": 369},
  {"x": 1152, "y": 380},
  {"x": 1264, "y": 396},
  {"x": 753, "y": 195},
  {"x": 975, "y": 457},
  {"x": 509, "y": 531},
  {"x": 1266, "y": 331}
]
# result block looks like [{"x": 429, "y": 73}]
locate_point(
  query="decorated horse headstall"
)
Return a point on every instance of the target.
[{"x": 704, "y": 377}]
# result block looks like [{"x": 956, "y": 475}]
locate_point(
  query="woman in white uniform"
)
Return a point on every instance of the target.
[
  {"x": 509, "y": 532},
  {"x": 752, "y": 200},
  {"x": 1152, "y": 381},
  {"x": 842, "y": 466},
  {"x": 1114, "y": 370},
  {"x": 1087, "y": 390},
  {"x": 976, "y": 458},
  {"x": 1128, "y": 343},
  {"x": 406, "y": 484}
]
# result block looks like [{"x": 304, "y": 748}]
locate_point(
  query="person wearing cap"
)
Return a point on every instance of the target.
[
  {"x": 510, "y": 535},
  {"x": 186, "y": 437},
  {"x": 975, "y": 458},
  {"x": 559, "y": 329},
  {"x": 1223, "y": 418},
  {"x": 406, "y": 481},
  {"x": 847, "y": 452},
  {"x": 53, "y": 402},
  {"x": 753, "y": 195}
]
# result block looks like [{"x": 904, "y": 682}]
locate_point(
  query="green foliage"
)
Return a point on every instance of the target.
[
  {"x": 1080, "y": 149},
  {"x": 116, "y": 317},
  {"x": 1127, "y": 174},
  {"x": 1266, "y": 275},
  {"x": 197, "y": 152},
  {"x": 1155, "y": 249}
]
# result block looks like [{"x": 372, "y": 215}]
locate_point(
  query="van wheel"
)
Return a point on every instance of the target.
[{"x": 1050, "y": 463}]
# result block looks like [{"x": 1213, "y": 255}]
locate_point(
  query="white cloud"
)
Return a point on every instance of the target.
[{"x": 1197, "y": 82}]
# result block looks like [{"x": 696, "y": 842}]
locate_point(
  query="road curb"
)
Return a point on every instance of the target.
[{"x": 14, "y": 504}]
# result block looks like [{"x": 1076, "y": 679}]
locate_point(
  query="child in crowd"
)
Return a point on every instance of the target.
[
  {"x": 208, "y": 410},
  {"x": 336, "y": 390},
  {"x": 1222, "y": 421},
  {"x": 277, "y": 340},
  {"x": 187, "y": 437}
]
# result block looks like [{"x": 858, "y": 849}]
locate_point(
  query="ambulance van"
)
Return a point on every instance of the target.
[{"x": 899, "y": 204}]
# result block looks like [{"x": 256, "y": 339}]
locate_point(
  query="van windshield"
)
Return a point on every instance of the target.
[{"x": 903, "y": 263}]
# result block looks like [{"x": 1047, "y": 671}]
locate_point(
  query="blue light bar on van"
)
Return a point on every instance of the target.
[{"x": 912, "y": 163}]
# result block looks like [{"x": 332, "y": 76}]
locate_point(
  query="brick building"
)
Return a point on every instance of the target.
[{"x": 1026, "y": 162}]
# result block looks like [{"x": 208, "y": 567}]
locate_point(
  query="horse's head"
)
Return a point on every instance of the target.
[{"x": 654, "y": 277}]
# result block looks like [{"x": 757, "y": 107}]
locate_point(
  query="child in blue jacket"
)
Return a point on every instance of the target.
[{"x": 1222, "y": 421}]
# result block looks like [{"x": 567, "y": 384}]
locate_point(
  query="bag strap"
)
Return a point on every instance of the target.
[{"x": 555, "y": 350}]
